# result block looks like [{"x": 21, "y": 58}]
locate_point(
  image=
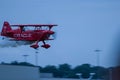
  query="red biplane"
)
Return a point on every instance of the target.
[{"x": 40, "y": 32}]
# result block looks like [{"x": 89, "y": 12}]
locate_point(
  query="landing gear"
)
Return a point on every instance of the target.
[
  {"x": 35, "y": 45},
  {"x": 45, "y": 45}
]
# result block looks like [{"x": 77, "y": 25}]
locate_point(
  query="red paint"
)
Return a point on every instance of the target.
[{"x": 36, "y": 35}]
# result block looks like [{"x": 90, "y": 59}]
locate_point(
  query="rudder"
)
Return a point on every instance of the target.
[{"x": 6, "y": 28}]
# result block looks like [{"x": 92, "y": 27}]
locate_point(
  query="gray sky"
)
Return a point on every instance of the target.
[{"x": 83, "y": 26}]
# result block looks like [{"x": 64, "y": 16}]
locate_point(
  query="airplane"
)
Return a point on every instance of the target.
[{"x": 39, "y": 32}]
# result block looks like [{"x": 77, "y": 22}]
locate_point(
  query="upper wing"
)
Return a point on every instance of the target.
[{"x": 35, "y": 25}]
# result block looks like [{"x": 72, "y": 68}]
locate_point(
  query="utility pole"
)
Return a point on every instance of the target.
[
  {"x": 98, "y": 61},
  {"x": 98, "y": 56}
]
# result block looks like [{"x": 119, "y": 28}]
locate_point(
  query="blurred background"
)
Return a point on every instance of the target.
[{"x": 88, "y": 32}]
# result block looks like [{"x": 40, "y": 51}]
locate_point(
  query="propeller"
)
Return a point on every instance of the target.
[{"x": 54, "y": 35}]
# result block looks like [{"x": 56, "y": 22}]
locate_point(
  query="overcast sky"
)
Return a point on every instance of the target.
[{"x": 83, "y": 26}]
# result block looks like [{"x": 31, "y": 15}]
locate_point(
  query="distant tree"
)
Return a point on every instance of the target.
[
  {"x": 4, "y": 63},
  {"x": 25, "y": 64},
  {"x": 49, "y": 69},
  {"x": 21, "y": 63},
  {"x": 84, "y": 69},
  {"x": 64, "y": 70},
  {"x": 100, "y": 72},
  {"x": 14, "y": 63}
]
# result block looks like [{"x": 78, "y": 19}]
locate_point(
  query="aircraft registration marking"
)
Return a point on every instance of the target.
[{"x": 23, "y": 35}]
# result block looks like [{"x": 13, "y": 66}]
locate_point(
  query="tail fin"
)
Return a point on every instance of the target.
[{"x": 6, "y": 28}]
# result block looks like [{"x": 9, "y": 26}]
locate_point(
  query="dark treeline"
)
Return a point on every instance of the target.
[{"x": 66, "y": 70}]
